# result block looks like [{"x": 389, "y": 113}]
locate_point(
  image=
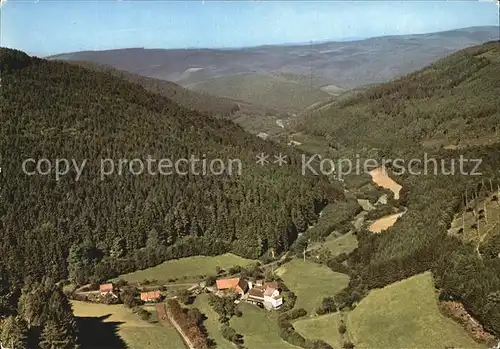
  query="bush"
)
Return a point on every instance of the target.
[
  {"x": 230, "y": 334},
  {"x": 211, "y": 280},
  {"x": 335, "y": 266},
  {"x": 143, "y": 313},
  {"x": 121, "y": 283},
  {"x": 342, "y": 328},
  {"x": 320, "y": 311},
  {"x": 129, "y": 297},
  {"x": 348, "y": 345}
]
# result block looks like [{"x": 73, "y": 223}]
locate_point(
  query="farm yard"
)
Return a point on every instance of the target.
[
  {"x": 116, "y": 327},
  {"x": 311, "y": 282},
  {"x": 197, "y": 267}
]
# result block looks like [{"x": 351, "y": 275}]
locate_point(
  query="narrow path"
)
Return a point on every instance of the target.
[{"x": 165, "y": 318}]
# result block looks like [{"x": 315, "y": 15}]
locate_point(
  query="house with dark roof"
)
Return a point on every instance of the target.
[{"x": 266, "y": 295}]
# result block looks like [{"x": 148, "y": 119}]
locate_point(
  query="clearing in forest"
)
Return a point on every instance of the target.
[
  {"x": 477, "y": 223},
  {"x": 311, "y": 282},
  {"x": 340, "y": 244},
  {"x": 384, "y": 223},
  {"x": 187, "y": 268},
  {"x": 381, "y": 178}
]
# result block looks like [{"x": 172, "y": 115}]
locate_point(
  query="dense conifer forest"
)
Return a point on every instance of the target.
[{"x": 90, "y": 228}]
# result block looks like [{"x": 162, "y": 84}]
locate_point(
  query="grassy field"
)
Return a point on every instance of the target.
[
  {"x": 338, "y": 243},
  {"x": 311, "y": 282},
  {"x": 259, "y": 328},
  {"x": 187, "y": 268},
  {"x": 212, "y": 322},
  {"x": 116, "y": 327},
  {"x": 405, "y": 314},
  {"x": 343, "y": 244},
  {"x": 263, "y": 90},
  {"x": 321, "y": 327}
]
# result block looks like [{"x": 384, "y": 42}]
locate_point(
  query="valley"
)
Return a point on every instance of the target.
[{"x": 271, "y": 257}]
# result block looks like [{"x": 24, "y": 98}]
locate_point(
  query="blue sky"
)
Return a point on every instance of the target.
[{"x": 50, "y": 27}]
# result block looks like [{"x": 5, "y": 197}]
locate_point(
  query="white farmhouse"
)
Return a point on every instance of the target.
[{"x": 272, "y": 297}]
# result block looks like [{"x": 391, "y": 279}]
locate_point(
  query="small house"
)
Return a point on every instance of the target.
[
  {"x": 256, "y": 294},
  {"x": 105, "y": 289},
  {"x": 266, "y": 295},
  {"x": 150, "y": 296},
  {"x": 272, "y": 298}
]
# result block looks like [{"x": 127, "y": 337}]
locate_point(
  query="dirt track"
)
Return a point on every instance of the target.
[{"x": 167, "y": 320}]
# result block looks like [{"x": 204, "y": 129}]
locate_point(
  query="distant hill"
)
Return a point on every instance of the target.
[
  {"x": 204, "y": 103},
  {"x": 268, "y": 91},
  {"x": 343, "y": 64},
  {"x": 252, "y": 117},
  {"x": 451, "y": 103}
]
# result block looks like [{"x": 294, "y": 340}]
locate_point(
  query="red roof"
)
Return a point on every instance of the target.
[
  {"x": 224, "y": 284},
  {"x": 150, "y": 295},
  {"x": 106, "y": 288},
  {"x": 237, "y": 284}
]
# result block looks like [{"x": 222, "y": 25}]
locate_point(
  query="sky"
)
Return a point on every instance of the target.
[{"x": 47, "y": 27}]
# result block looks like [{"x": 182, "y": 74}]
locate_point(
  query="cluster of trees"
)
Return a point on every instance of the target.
[
  {"x": 227, "y": 308},
  {"x": 91, "y": 230},
  {"x": 37, "y": 316},
  {"x": 334, "y": 217},
  {"x": 328, "y": 305},
  {"x": 190, "y": 321}
]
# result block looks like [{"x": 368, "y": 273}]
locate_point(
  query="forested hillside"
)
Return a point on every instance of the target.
[
  {"x": 455, "y": 99},
  {"x": 253, "y": 118},
  {"x": 452, "y": 102},
  {"x": 93, "y": 229},
  {"x": 268, "y": 91},
  {"x": 201, "y": 102}
]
